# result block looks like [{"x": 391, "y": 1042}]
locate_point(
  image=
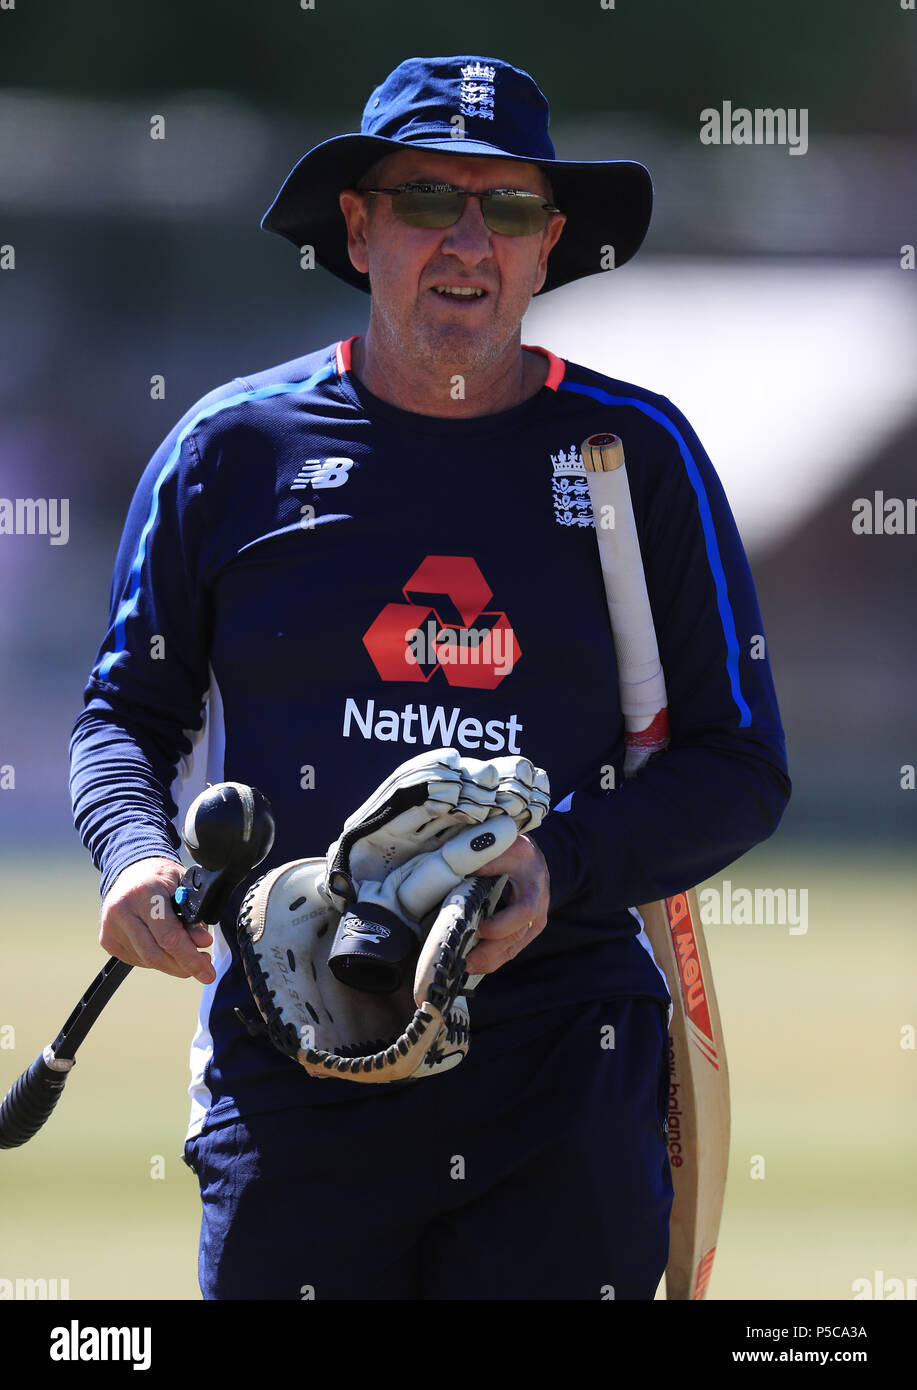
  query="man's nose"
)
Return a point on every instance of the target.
[{"x": 469, "y": 237}]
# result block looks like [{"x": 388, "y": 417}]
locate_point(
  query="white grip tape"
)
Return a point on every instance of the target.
[
  {"x": 639, "y": 668},
  {"x": 641, "y": 703}
]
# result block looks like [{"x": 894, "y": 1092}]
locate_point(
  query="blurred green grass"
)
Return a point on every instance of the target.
[
  {"x": 79, "y": 1201},
  {"x": 822, "y": 1089}
]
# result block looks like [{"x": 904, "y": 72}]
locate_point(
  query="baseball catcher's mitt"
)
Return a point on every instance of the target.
[
  {"x": 286, "y": 927},
  {"x": 363, "y": 980}
]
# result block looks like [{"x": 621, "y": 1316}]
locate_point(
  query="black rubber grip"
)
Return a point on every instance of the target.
[
  {"x": 372, "y": 949},
  {"x": 29, "y": 1102}
]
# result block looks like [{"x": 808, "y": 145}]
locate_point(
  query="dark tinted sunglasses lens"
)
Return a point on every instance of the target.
[
  {"x": 514, "y": 216},
  {"x": 428, "y": 209}
]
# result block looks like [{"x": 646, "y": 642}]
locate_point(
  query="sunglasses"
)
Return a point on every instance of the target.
[{"x": 506, "y": 211}]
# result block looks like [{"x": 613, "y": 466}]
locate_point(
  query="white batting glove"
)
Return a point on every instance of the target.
[{"x": 426, "y": 802}]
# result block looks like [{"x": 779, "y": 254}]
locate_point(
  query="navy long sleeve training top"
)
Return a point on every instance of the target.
[{"x": 327, "y": 585}]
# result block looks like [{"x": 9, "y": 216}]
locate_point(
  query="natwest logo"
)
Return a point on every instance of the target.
[{"x": 444, "y": 625}]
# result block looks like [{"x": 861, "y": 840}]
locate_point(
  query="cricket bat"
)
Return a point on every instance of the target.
[{"x": 699, "y": 1092}]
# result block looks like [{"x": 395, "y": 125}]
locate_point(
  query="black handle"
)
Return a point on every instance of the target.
[
  {"x": 32, "y": 1097},
  {"x": 240, "y": 833},
  {"x": 29, "y": 1102}
]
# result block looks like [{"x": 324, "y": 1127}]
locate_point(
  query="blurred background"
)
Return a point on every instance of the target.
[{"x": 773, "y": 302}]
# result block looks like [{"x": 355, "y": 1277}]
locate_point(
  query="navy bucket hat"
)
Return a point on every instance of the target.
[{"x": 466, "y": 106}]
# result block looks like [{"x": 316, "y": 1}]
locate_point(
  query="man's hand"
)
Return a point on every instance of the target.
[
  {"x": 509, "y": 931},
  {"x": 139, "y": 924}
]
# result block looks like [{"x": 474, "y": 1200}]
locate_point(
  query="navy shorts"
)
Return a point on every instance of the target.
[{"x": 537, "y": 1172}]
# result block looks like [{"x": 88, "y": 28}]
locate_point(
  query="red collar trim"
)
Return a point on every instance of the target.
[
  {"x": 556, "y": 366},
  {"x": 342, "y": 354}
]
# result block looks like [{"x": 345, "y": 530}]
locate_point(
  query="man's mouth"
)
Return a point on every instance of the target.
[{"x": 459, "y": 292}]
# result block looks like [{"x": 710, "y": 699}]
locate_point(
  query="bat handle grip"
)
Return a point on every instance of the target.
[{"x": 31, "y": 1099}]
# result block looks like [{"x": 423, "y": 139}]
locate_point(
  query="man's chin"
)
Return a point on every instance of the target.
[{"x": 460, "y": 346}]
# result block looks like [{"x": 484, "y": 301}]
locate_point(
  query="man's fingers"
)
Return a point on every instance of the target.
[
  {"x": 199, "y": 935},
  {"x": 529, "y": 886},
  {"x": 139, "y": 924},
  {"x": 488, "y": 955},
  {"x": 502, "y": 936},
  {"x": 173, "y": 940},
  {"x": 165, "y": 946},
  {"x": 528, "y": 903},
  {"x": 133, "y": 943}
]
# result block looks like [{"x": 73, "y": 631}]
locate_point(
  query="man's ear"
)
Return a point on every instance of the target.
[
  {"x": 354, "y": 206},
  {"x": 551, "y": 236}
]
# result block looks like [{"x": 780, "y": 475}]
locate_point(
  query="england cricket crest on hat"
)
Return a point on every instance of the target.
[
  {"x": 476, "y": 94},
  {"x": 572, "y": 506}
]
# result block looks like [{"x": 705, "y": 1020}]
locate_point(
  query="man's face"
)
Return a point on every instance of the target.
[{"x": 411, "y": 267}]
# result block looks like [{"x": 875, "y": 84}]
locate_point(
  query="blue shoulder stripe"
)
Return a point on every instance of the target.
[
  {"x": 713, "y": 551},
  {"x": 129, "y": 604}
]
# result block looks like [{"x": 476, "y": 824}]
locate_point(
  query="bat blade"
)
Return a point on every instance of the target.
[
  {"x": 699, "y": 1093},
  {"x": 699, "y": 1112}
]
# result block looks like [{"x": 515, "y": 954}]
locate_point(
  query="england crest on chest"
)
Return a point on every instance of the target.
[{"x": 572, "y": 506}]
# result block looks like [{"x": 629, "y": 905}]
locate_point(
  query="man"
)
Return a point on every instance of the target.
[{"x": 296, "y": 554}]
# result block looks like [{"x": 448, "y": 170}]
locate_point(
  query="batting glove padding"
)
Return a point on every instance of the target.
[{"x": 425, "y": 802}]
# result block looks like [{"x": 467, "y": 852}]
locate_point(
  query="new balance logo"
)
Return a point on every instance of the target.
[{"x": 330, "y": 472}]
